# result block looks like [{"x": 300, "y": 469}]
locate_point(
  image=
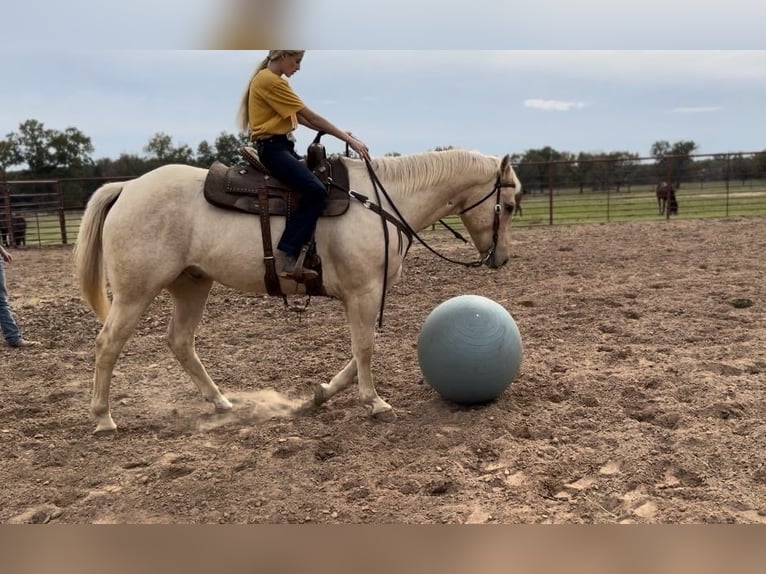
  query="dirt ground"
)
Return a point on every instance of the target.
[{"x": 640, "y": 397}]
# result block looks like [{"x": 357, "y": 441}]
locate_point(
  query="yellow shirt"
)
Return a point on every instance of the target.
[{"x": 273, "y": 105}]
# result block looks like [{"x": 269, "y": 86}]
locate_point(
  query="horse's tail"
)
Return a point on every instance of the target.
[{"x": 88, "y": 252}]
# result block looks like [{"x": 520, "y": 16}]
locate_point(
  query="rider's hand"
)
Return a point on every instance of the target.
[{"x": 360, "y": 148}]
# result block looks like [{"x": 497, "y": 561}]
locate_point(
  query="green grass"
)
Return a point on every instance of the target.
[
  {"x": 641, "y": 205},
  {"x": 45, "y": 228}
]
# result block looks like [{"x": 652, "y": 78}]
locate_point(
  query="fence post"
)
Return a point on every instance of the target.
[
  {"x": 728, "y": 175},
  {"x": 62, "y": 218},
  {"x": 5, "y": 196},
  {"x": 608, "y": 203},
  {"x": 550, "y": 193}
]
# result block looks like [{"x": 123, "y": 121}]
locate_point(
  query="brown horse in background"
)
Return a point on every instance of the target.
[
  {"x": 14, "y": 234},
  {"x": 666, "y": 198},
  {"x": 517, "y": 198}
]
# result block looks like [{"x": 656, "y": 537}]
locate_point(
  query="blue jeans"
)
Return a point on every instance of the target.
[
  {"x": 277, "y": 154},
  {"x": 10, "y": 328}
]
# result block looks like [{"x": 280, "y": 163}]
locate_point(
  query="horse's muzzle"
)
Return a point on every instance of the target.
[{"x": 495, "y": 261}]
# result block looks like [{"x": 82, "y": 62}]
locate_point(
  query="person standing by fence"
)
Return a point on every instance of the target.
[{"x": 10, "y": 329}]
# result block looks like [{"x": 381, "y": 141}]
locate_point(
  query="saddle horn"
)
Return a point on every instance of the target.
[{"x": 316, "y": 153}]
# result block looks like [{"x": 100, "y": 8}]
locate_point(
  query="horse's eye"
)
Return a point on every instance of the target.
[{"x": 509, "y": 208}]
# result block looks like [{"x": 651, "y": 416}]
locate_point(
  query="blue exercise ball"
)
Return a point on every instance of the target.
[{"x": 469, "y": 349}]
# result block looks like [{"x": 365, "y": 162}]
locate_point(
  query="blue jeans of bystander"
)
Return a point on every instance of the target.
[{"x": 7, "y": 322}]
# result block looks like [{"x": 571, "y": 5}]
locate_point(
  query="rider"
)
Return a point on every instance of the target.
[{"x": 270, "y": 111}]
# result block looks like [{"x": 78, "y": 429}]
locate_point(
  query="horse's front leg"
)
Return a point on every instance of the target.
[{"x": 361, "y": 312}]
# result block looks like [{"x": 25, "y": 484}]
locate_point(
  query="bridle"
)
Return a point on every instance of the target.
[
  {"x": 405, "y": 228},
  {"x": 408, "y": 230},
  {"x": 498, "y": 209}
]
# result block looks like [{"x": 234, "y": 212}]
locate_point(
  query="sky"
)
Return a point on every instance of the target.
[{"x": 498, "y": 77}]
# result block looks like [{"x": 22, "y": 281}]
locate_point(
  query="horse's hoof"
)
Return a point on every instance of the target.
[
  {"x": 320, "y": 397},
  {"x": 222, "y": 405},
  {"x": 105, "y": 426},
  {"x": 105, "y": 431},
  {"x": 384, "y": 416}
]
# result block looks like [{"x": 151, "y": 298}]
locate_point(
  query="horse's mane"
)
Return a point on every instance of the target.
[{"x": 434, "y": 168}]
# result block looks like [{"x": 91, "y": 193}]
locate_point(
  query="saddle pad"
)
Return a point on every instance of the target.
[{"x": 237, "y": 187}]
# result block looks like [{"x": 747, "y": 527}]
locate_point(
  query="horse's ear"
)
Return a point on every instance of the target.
[{"x": 505, "y": 163}]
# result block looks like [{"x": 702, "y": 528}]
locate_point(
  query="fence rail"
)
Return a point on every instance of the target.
[{"x": 47, "y": 212}]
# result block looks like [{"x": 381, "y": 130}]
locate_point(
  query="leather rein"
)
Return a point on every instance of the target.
[{"x": 405, "y": 228}]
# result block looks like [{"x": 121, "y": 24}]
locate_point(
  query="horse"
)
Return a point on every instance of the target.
[
  {"x": 157, "y": 232},
  {"x": 16, "y": 233},
  {"x": 666, "y": 198},
  {"x": 517, "y": 197}
]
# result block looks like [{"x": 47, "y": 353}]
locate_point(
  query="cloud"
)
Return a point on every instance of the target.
[
  {"x": 553, "y": 105},
  {"x": 696, "y": 109}
]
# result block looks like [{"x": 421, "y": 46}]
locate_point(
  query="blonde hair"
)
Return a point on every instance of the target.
[{"x": 243, "y": 115}]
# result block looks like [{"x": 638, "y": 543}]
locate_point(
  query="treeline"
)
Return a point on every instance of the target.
[
  {"x": 36, "y": 152},
  {"x": 546, "y": 167},
  {"x": 676, "y": 163},
  {"x": 53, "y": 154}
]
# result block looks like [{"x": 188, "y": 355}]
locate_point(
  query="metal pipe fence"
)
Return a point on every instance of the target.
[{"x": 555, "y": 192}]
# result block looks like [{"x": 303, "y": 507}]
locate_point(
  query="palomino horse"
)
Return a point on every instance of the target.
[
  {"x": 666, "y": 198},
  {"x": 157, "y": 232}
]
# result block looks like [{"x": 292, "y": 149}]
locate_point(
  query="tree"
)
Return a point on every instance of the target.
[
  {"x": 227, "y": 148},
  {"x": 535, "y": 166},
  {"x": 673, "y": 160},
  {"x": 205, "y": 154},
  {"x": 47, "y": 151},
  {"x": 70, "y": 149},
  {"x": 9, "y": 154},
  {"x": 584, "y": 169},
  {"x": 161, "y": 149},
  {"x": 32, "y": 144},
  {"x": 660, "y": 149},
  {"x": 126, "y": 164},
  {"x": 742, "y": 168},
  {"x": 760, "y": 163}
]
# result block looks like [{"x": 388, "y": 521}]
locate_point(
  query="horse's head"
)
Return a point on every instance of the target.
[{"x": 488, "y": 211}]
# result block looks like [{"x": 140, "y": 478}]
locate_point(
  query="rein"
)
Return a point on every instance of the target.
[
  {"x": 405, "y": 228},
  {"x": 496, "y": 189}
]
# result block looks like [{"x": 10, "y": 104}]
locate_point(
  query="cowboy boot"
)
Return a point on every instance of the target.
[{"x": 291, "y": 267}]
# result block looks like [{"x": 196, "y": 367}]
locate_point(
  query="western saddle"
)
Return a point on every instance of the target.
[{"x": 252, "y": 189}]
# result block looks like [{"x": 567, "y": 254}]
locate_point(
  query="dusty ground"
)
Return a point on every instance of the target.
[{"x": 640, "y": 397}]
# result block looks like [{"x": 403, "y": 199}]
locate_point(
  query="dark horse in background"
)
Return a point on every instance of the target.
[
  {"x": 15, "y": 233},
  {"x": 518, "y": 196},
  {"x": 666, "y": 198}
]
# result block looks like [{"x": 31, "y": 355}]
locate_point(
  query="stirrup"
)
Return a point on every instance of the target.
[{"x": 300, "y": 274}]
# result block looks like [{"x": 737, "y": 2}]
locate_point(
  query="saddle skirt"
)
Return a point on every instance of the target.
[{"x": 242, "y": 187}]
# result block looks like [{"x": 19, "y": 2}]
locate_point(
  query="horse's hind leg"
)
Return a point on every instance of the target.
[
  {"x": 118, "y": 327},
  {"x": 189, "y": 296},
  {"x": 325, "y": 391}
]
